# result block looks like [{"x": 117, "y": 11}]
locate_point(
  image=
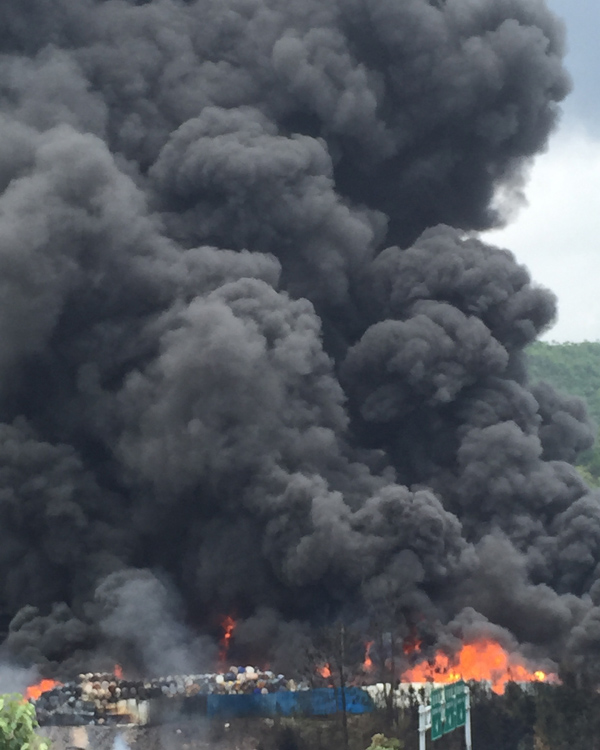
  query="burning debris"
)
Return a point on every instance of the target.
[
  {"x": 103, "y": 698},
  {"x": 34, "y": 692},
  {"x": 483, "y": 661},
  {"x": 228, "y": 626}
]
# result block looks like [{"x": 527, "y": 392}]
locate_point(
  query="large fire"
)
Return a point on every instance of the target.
[
  {"x": 481, "y": 660},
  {"x": 33, "y": 692}
]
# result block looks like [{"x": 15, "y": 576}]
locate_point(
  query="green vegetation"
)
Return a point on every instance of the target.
[
  {"x": 18, "y": 725},
  {"x": 535, "y": 716},
  {"x": 543, "y": 717},
  {"x": 574, "y": 369}
]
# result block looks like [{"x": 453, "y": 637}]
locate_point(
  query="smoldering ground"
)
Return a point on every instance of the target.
[{"x": 251, "y": 359}]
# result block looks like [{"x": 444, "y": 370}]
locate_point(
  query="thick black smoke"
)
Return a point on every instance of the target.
[{"x": 250, "y": 360}]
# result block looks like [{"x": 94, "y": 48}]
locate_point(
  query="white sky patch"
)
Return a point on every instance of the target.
[{"x": 557, "y": 235}]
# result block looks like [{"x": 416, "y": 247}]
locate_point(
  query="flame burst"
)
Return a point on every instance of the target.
[
  {"x": 118, "y": 671},
  {"x": 368, "y": 662},
  {"x": 228, "y": 624},
  {"x": 324, "y": 671},
  {"x": 411, "y": 645},
  {"x": 33, "y": 692},
  {"x": 484, "y": 660}
]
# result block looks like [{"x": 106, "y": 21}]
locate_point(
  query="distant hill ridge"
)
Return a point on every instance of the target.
[{"x": 574, "y": 368}]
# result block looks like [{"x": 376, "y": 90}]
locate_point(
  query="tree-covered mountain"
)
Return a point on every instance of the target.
[{"x": 574, "y": 368}]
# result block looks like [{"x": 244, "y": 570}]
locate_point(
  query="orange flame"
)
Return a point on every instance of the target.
[
  {"x": 482, "y": 660},
  {"x": 228, "y": 624},
  {"x": 118, "y": 671},
  {"x": 368, "y": 662},
  {"x": 324, "y": 671},
  {"x": 411, "y": 645},
  {"x": 33, "y": 692}
]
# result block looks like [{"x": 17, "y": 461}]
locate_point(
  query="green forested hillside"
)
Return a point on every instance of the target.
[{"x": 574, "y": 368}]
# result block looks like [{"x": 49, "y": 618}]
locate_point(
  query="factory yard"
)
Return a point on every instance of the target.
[
  {"x": 316, "y": 733},
  {"x": 190, "y": 736}
]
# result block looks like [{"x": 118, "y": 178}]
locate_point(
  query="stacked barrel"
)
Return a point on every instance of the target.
[
  {"x": 103, "y": 698},
  {"x": 92, "y": 699}
]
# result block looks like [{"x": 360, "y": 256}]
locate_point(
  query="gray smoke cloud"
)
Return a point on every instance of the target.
[
  {"x": 251, "y": 358},
  {"x": 15, "y": 679}
]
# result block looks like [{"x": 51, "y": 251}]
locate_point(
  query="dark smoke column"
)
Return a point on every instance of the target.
[{"x": 250, "y": 359}]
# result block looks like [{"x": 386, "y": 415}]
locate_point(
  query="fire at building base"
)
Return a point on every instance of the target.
[
  {"x": 125, "y": 703},
  {"x": 247, "y": 708},
  {"x": 180, "y": 728},
  {"x": 111, "y": 699}
]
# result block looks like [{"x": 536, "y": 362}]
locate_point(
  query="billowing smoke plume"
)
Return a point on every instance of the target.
[{"x": 251, "y": 360}]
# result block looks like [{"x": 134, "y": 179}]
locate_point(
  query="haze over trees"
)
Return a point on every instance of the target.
[{"x": 573, "y": 368}]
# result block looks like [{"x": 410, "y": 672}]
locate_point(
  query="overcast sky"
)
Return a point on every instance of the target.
[{"x": 557, "y": 235}]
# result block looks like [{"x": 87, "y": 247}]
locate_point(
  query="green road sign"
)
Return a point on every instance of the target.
[
  {"x": 461, "y": 704},
  {"x": 437, "y": 722},
  {"x": 455, "y": 690},
  {"x": 437, "y": 717},
  {"x": 448, "y": 709},
  {"x": 450, "y": 717}
]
